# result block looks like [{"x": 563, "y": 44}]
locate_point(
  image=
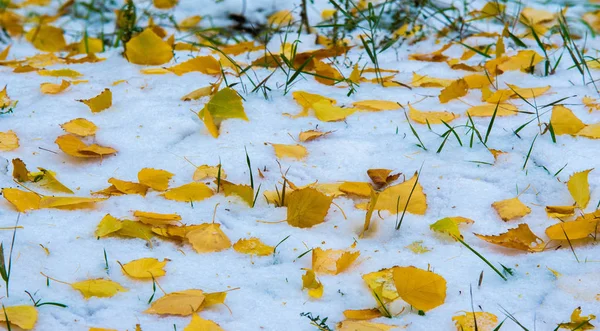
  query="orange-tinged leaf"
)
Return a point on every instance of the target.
[
  {"x": 297, "y": 152},
  {"x": 361, "y": 189},
  {"x": 165, "y": 4},
  {"x": 183, "y": 303},
  {"x": 157, "y": 179},
  {"x": 520, "y": 238},
  {"x": 24, "y": 317},
  {"x": 46, "y": 38},
  {"x": 364, "y": 326},
  {"x": 204, "y": 64},
  {"x": 435, "y": 56},
  {"x": 307, "y": 207},
  {"x": 560, "y": 211},
  {"x": 157, "y": 219},
  {"x": 8, "y": 141},
  {"x": 332, "y": 261},
  {"x": 580, "y": 188},
  {"x": 101, "y": 288},
  {"x": 362, "y": 314},
  {"x": 20, "y": 172},
  {"x": 49, "y": 88},
  {"x": 80, "y": 127},
  {"x": 466, "y": 321},
  {"x": 511, "y": 209},
  {"x": 311, "y": 135},
  {"x": 457, "y": 89},
  {"x": 253, "y": 246},
  {"x": 208, "y": 238},
  {"x": 200, "y": 324},
  {"x": 22, "y": 200},
  {"x": 189, "y": 192},
  {"x": 147, "y": 48},
  {"x": 431, "y": 117},
  {"x": 74, "y": 146},
  {"x": 422, "y": 289},
  {"x": 100, "y": 102},
  {"x": 487, "y": 110},
  {"x": 388, "y": 198},
  {"x": 68, "y": 202},
  {"x": 375, "y": 105},
  {"x": 145, "y": 268},
  {"x": 310, "y": 282}
]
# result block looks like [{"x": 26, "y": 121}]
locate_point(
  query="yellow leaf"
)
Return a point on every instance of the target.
[
  {"x": 60, "y": 73},
  {"x": 133, "y": 229},
  {"x": 449, "y": 225},
  {"x": 376, "y": 105},
  {"x": 362, "y": 314},
  {"x": 189, "y": 22},
  {"x": 314, "y": 286},
  {"x": 205, "y": 171},
  {"x": 200, "y": 324},
  {"x": 157, "y": 219},
  {"x": 332, "y": 261},
  {"x": 108, "y": 225},
  {"x": 20, "y": 172},
  {"x": 4, "y": 53},
  {"x": 46, "y": 38},
  {"x": 382, "y": 177},
  {"x": 46, "y": 179},
  {"x": 466, "y": 322},
  {"x": 487, "y": 110},
  {"x": 477, "y": 81},
  {"x": 208, "y": 238},
  {"x": 253, "y": 246},
  {"x": 165, "y": 4},
  {"x": 521, "y": 61},
  {"x": 127, "y": 187},
  {"x": 68, "y": 202},
  {"x": 147, "y": 48},
  {"x": 74, "y": 146},
  {"x": 183, "y": 303},
  {"x": 202, "y": 92},
  {"x": 578, "y": 322},
  {"x": 157, "y": 179},
  {"x": 189, "y": 192},
  {"x": 364, "y": 326},
  {"x": 225, "y": 104},
  {"x": 591, "y": 103},
  {"x": 361, "y": 189},
  {"x": 100, "y": 102},
  {"x": 435, "y": 56},
  {"x": 422, "y": 289},
  {"x": 418, "y": 248},
  {"x": 246, "y": 192},
  {"x": 8, "y": 141},
  {"x": 311, "y": 135},
  {"x": 297, "y": 152},
  {"x": 581, "y": 228},
  {"x": 426, "y": 81},
  {"x": 307, "y": 207},
  {"x": 145, "y": 268},
  {"x": 560, "y": 211},
  {"x": 511, "y": 209},
  {"x": 204, "y": 64},
  {"x": 520, "y": 238},
  {"x": 580, "y": 188},
  {"x": 5, "y": 101},
  {"x": 591, "y": 131},
  {"x": 80, "y": 127},
  {"x": 388, "y": 198},
  {"x": 457, "y": 89},
  {"x": 49, "y": 88},
  {"x": 22, "y": 200},
  {"x": 382, "y": 283},
  {"x": 102, "y": 288},
  {"x": 306, "y": 100},
  {"x": 24, "y": 317},
  {"x": 327, "y": 112},
  {"x": 564, "y": 121},
  {"x": 431, "y": 117},
  {"x": 282, "y": 17}
]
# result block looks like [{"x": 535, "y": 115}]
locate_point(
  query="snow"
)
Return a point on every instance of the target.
[{"x": 151, "y": 127}]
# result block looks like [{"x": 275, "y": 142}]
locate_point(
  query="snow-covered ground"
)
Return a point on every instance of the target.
[{"x": 151, "y": 127}]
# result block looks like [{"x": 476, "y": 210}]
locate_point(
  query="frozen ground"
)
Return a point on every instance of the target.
[{"x": 151, "y": 127}]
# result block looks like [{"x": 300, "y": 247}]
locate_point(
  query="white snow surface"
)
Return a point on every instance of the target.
[{"x": 151, "y": 127}]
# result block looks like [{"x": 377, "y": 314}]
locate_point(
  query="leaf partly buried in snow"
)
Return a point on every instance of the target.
[
  {"x": 253, "y": 246},
  {"x": 376, "y": 105},
  {"x": 466, "y": 321},
  {"x": 8, "y": 141},
  {"x": 149, "y": 49},
  {"x": 223, "y": 105},
  {"x": 388, "y": 198},
  {"x": 578, "y": 322},
  {"x": 307, "y": 207},
  {"x": 332, "y": 261},
  {"x": 310, "y": 282},
  {"x": 189, "y": 192},
  {"x": 102, "y": 288},
  {"x": 204, "y": 64},
  {"x": 50, "y": 88},
  {"x": 200, "y": 324},
  {"x": 327, "y": 112},
  {"x": 297, "y": 152},
  {"x": 431, "y": 117},
  {"x": 422, "y": 289},
  {"x": 580, "y": 188},
  {"x": 23, "y": 316}
]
